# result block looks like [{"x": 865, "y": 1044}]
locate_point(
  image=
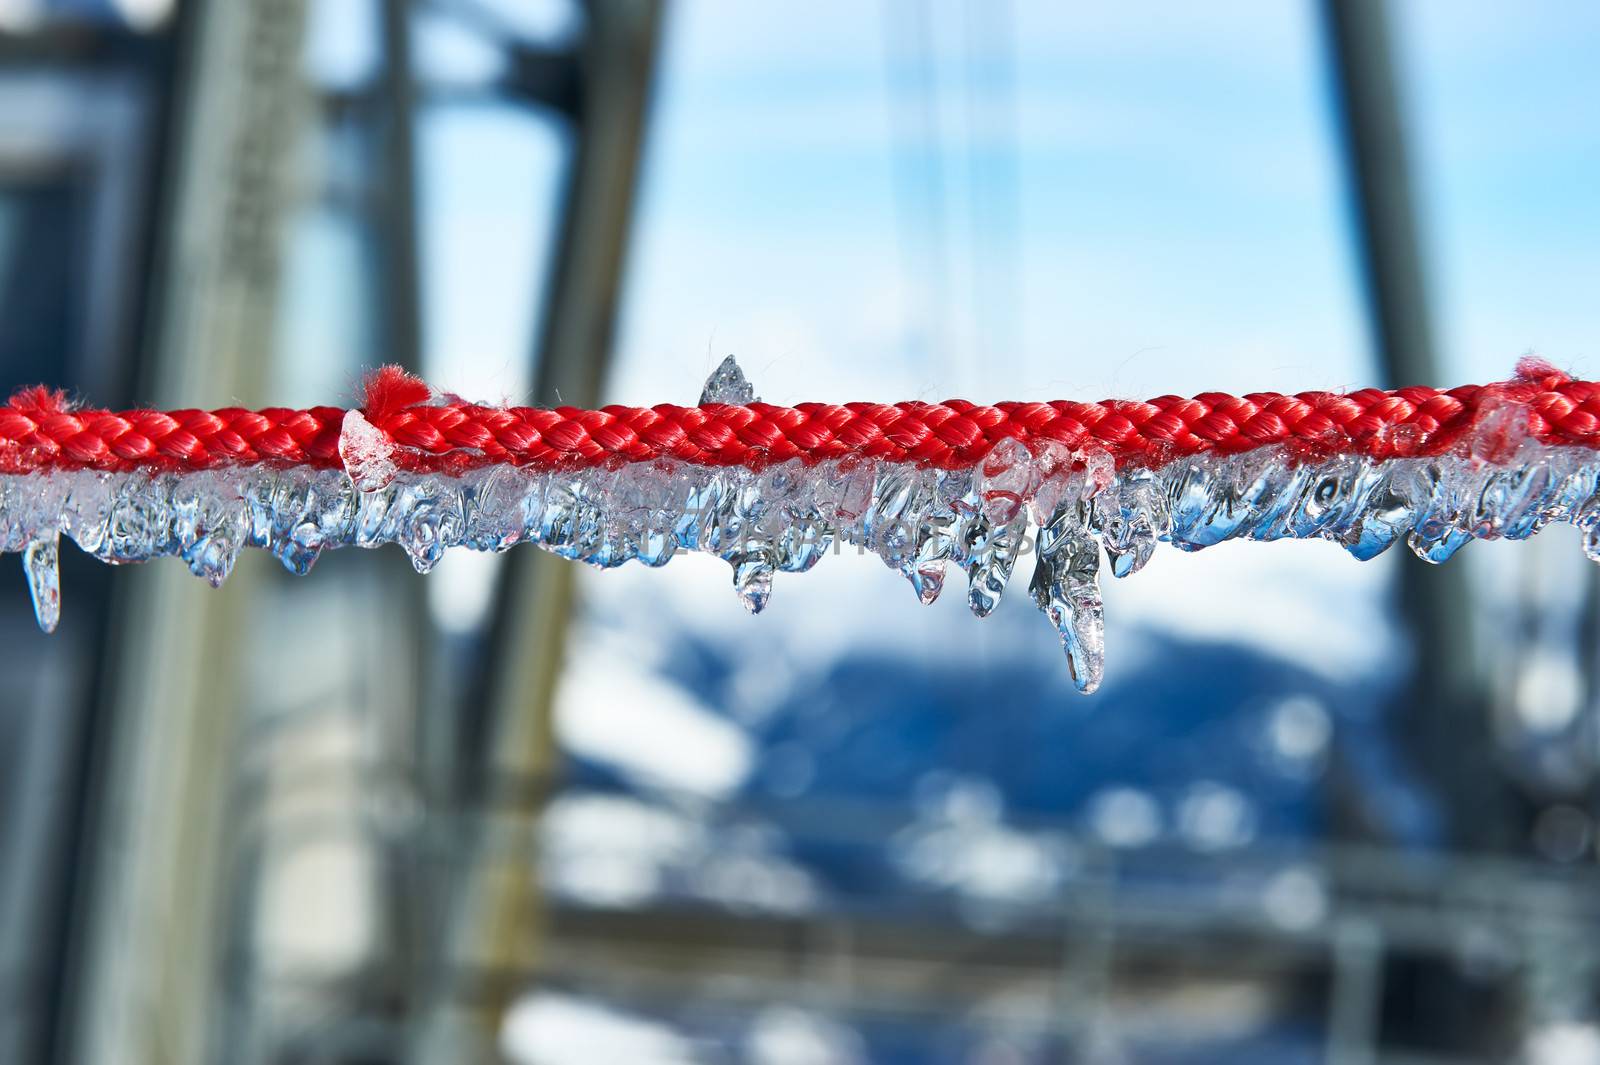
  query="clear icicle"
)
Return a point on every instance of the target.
[
  {"x": 752, "y": 580},
  {"x": 991, "y": 554},
  {"x": 1066, "y": 586},
  {"x": 40, "y": 561},
  {"x": 1130, "y": 517},
  {"x": 921, "y": 522}
]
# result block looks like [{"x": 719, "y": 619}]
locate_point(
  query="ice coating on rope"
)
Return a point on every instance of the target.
[
  {"x": 1059, "y": 505},
  {"x": 366, "y": 451}
]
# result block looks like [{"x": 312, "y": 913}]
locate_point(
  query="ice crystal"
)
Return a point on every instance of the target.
[{"x": 727, "y": 384}]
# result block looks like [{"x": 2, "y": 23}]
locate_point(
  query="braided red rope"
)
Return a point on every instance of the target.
[{"x": 39, "y": 430}]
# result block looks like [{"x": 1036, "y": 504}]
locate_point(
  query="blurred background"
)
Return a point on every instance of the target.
[{"x": 1320, "y": 812}]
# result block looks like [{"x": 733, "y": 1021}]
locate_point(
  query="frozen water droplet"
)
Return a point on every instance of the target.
[
  {"x": 208, "y": 524},
  {"x": 728, "y": 385},
  {"x": 752, "y": 580},
  {"x": 1008, "y": 478},
  {"x": 1065, "y": 474},
  {"x": 891, "y": 522},
  {"x": 1099, "y": 469},
  {"x": 927, "y": 580},
  {"x": 1322, "y": 498},
  {"x": 86, "y": 508},
  {"x": 40, "y": 561},
  {"x": 1221, "y": 498},
  {"x": 138, "y": 525},
  {"x": 1402, "y": 439},
  {"x": 955, "y": 492},
  {"x": 303, "y": 513},
  {"x": 1132, "y": 559},
  {"x": 428, "y": 521},
  {"x": 367, "y": 453},
  {"x": 1514, "y": 501},
  {"x": 300, "y": 549},
  {"x": 1383, "y": 517},
  {"x": 213, "y": 559},
  {"x": 843, "y": 490},
  {"x": 1445, "y": 490},
  {"x": 655, "y": 494},
  {"x": 803, "y": 543},
  {"x": 1499, "y": 430},
  {"x": 1131, "y": 515},
  {"x": 1439, "y": 547},
  {"x": 1591, "y": 543},
  {"x": 1054, "y": 461},
  {"x": 498, "y": 504}
]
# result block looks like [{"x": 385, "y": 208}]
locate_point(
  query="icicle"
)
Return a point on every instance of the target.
[
  {"x": 800, "y": 535},
  {"x": 1131, "y": 516},
  {"x": 991, "y": 552},
  {"x": 739, "y": 535},
  {"x": 752, "y": 580},
  {"x": 927, "y": 580},
  {"x": 1444, "y": 493},
  {"x": 40, "y": 563},
  {"x": 208, "y": 524},
  {"x": 1382, "y": 517},
  {"x": 890, "y": 526},
  {"x": 1066, "y": 586}
]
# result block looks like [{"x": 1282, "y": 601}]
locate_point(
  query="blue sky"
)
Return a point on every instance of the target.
[
  {"x": 1175, "y": 218},
  {"x": 1176, "y": 213},
  {"x": 1507, "y": 151}
]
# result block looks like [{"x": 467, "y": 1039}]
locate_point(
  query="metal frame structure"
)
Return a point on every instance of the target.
[{"x": 144, "y": 987}]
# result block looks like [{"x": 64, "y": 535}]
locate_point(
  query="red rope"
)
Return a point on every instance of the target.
[{"x": 39, "y": 430}]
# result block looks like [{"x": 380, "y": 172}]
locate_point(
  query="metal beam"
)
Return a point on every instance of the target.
[
  {"x": 401, "y": 313},
  {"x": 146, "y": 962},
  {"x": 1441, "y": 717},
  {"x": 1367, "y": 103},
  {"x": 496, "y": 900}
]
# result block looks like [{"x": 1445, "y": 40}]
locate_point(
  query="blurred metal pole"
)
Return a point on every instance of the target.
[
  {"x": 146, "y": 965},
  {"x": 402, "y": 311},
  {"x": 497, "y": 922},
  {"x": 418, "y": 728},
  {"x": 1379, "y": 172},
  {"x": 1442, "y": 719}
]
